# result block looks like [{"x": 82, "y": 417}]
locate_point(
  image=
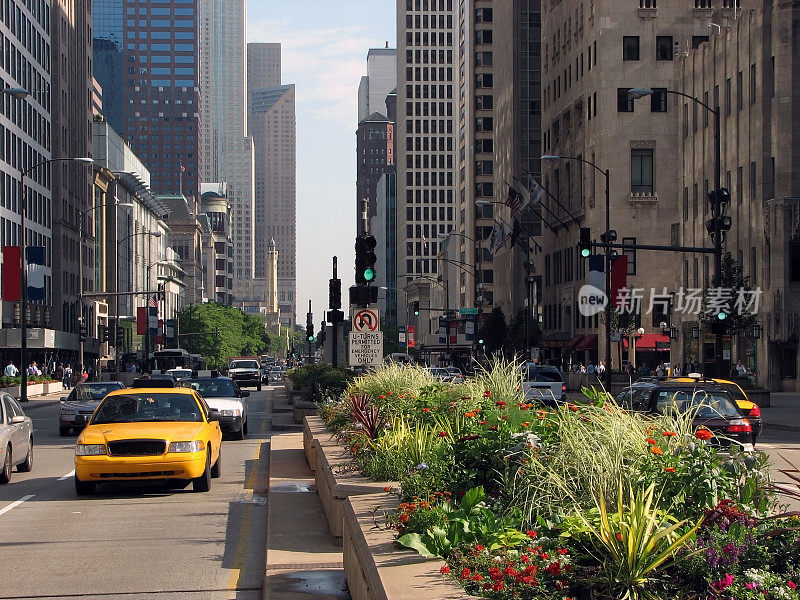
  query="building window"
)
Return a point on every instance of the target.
[
  {"x": 664, "y": 47},
  {"x": 794, "y": 255},
  {"x": 658, "y": 100},
  {"x": 624, "y": 103},
  {"x": 630, "y": 47},
  {"x": 631, "y": 254},
  {"x": 697, "y": 40},
  {"x": 642, "y": 171}
]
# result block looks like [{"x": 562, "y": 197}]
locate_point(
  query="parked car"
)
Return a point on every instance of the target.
[
  {"x": 456, "y": 375},
  {"x": 543, "y": 383},
  {"x": 245, "y": 371},
  {"x": 747, "y": 408},
  {"x": 713, "y": 407},
  {"x": 440, "y": 374},
  {"x": 149, "y": 434},
  {"x": 16, "y": 438},
  {"x": 81, "y": 402},
  {"x": 224, "y": 396}
]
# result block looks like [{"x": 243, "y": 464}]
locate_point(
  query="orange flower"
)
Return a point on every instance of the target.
[
  {"x": 669, "y": 470},
  {"x": 403, "y": 518},
  {"x": 426, "y": 410},
  {"x": 525, "y": 424},
  {"x": 469, "y": 415},
  {"x": 382, "y": 397},
  {"x": 650, "y": 441},
  {"x": 656, "y": 450},
  {"x": 389, "y": 392},
  {"x": 669, "y": 434},
  {"x": 703, "y": 434}
]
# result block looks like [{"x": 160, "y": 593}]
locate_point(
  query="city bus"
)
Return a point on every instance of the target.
[{"x": 171, "y": 358}]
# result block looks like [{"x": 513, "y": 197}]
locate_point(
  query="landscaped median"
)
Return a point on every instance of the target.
[{"x": 514, "y": 500}]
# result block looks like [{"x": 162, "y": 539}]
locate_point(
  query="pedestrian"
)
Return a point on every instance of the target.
[
  {"x": 601, "y": 368},
  {"x": 661, "y": 370},
  {"x": 741, "y": 370},
  {"x": 68, "y": 377},
  {"x": 11, "y": 369},
  {"x": 59, "y": 371},
  {"x": 133, "y": 368},
  {"x": 590, "y": 368},
  {"x": 676, "y": 370},
  {"x": 82, "y": 374}
]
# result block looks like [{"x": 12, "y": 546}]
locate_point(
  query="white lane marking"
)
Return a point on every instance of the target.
[
  {"x": 67, "y": 476},
  {"x": 15, "y": 504}
]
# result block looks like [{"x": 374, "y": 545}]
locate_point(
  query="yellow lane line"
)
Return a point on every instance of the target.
[{"x": 242, "y": 546}]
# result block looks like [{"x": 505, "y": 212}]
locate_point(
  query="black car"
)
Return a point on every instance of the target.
[{"x": 714, "y": 408}]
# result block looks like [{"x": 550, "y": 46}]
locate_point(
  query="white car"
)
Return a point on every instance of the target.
[
  {"x": 16, "y": 438},
  {"x": 180, "y": 373},
  {"x": 223, "y": 396}
]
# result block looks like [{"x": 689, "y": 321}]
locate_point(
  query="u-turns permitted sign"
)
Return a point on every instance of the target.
[{"x": 366, "y": 320}]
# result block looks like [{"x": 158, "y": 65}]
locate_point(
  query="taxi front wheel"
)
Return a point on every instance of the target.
[
  {"x": 203, "y": 483},
  {"x": 84, "y": 488}
]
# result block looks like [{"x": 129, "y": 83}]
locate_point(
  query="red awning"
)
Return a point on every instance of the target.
[
  {"x": 589, "y": 342},
  {"x": 576, "y": 339},
  {"x": 650, "y": 341}
]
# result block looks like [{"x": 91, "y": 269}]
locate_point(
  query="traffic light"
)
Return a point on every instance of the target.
[
  {"x": 310, "y": 328},
  {"x": 106, "y": 334},
  {"x": 361, "y": 295},
  {"x": 415, "y": 307},
  {"x": 82, "y": 330},
  {"x": 365, "y": 259},
  {"x": 585, "y": 243},
  {"x": 120, "y": 337},
  {"x": 335, "y": 294}
]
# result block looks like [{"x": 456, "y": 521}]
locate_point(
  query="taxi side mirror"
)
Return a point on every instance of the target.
[{"x": 214, "y": 415}]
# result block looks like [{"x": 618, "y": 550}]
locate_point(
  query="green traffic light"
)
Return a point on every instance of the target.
[
  {"x": 586, "y": 252},
  {"x": 722, "y": 316},
  {"x": 369, "y": 274},
  {"x": 311, "y": 338}
]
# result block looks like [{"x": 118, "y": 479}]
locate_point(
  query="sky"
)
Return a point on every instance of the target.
[{"x": 324, "y": 46}]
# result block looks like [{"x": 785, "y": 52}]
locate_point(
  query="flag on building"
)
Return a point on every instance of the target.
[
  {"x": 514, "y": 200},
  {"x": 34, "y": 256},
  {"x": 152, "y": 311},
  {"x": 531, "y": 193},
  {"x": 424, "y": 242},
  {"x": 516, "y": 235},
  {"x": 12, "y": 273}
]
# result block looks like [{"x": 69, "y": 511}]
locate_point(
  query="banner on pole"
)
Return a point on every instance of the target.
[{"x": 12, "y": 273}]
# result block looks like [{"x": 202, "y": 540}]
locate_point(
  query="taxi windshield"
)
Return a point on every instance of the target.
[
  {"x": 147, "y": 407},
  {"x": 705, "y": 405}
]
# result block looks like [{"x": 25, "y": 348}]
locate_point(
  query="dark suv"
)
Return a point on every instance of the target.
[{"x": 713, "y": 406}]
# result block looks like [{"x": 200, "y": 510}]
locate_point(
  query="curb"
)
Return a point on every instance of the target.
[{"x": 781, "y": 427}]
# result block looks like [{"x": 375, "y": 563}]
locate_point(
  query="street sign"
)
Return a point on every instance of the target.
[
  {"x": 366, "y": 320},
  {"x": 366, "y": 348},
  {"x": 412, "y": 342},
  {"x": 468, "y": 311}
]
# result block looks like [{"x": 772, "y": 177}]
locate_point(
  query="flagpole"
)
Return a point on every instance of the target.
[
  {"x": 561, "y": 206},
  {"x": 180, "y": 181}
]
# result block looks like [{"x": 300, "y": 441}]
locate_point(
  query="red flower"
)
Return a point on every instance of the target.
[
  {"x": 493, "y": 428},
  {"x": 499, "y": 586},
  {"x": 442, "y": 434},
  {"x": 465, "y": 573},
  {"x": 669, "y": 434},
  {"x": 573, "y": 407},
  {"x": 387, "y": 489},
  {"x": 791, "y": 585},
  {"x": 389, "y": 392},
  {"x": 467, "y": 438},
  {"x": 524, "y": 558},
  {"x": 426, "y": 410},
  {"x": 703, "y": 434},
  {"x": 619, "y": 537},
  {"x": 487, "y": 394},
  {"x": 531, "y": 570},
  {"x": 445, "y": 570},
  {"x": 650, "y": 441},
  {"x": 509, "y": 570},
  {"x": 403, "y": 518},
  {"x": 562, "y": 551},
  {"x": 554, "y": 569},
  {"x": 382, "y": 397},
  {"x": 500, "y": 403},
  {"x": 525, "y": 424},
  {"x": 482, "y": 422},
  {"x": 530, "y": 533},
  {"x": 669, "y": 470},
  {"x": 529, "y": 580},
  {"x": 477, "y": 577}
]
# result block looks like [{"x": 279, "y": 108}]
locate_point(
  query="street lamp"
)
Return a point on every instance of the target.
[
  {"x": 23, "y": 392},
  {"x": 606, "y": 174},
  {"x": 81, "y": 215},
  {"x": 716, "y": 209}
]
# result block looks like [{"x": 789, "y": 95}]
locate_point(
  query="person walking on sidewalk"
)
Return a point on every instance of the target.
[
  {"x": 67, "y": 377},
  {"x": 11, "y": 369}
]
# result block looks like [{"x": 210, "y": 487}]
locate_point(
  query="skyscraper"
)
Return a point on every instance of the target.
[
  {"x": 381, "y": 78},
  {"x": 426, "y": 123},
  {"x": 226, "y": 149},
  {"x": 160, "y": 93},
  {"x": 271, "y": 123}
]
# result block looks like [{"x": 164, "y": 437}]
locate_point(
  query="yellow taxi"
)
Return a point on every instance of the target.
[
  {"x": 149, "y": 433},
  {"x": 747, "y": 408}
]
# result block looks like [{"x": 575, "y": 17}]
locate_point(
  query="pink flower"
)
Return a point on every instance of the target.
[
  {"x": 791, "y": 585},
  {"x": 723, "y": 583}
]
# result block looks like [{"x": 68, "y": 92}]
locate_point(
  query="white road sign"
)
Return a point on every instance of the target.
[{"x": 366, "y": 348}]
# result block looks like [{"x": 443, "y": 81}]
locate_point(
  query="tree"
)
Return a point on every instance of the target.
[
  {"x": 494, "y": 331},
  {"x": 220, "y": 332},
  {"x": 733, "y": 283}
]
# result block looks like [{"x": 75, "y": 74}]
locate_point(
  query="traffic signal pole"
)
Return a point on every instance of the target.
[
  {"x": 334, "y": 323},
  {"x": 310, "y": 341},
  {"x": 717, "y": 214}
]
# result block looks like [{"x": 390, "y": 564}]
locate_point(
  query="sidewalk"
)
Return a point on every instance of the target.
[
  {"x": 783, "y": 412},
  {"x": 302, "y": 561},
  {"x": 44, "y": 400}
]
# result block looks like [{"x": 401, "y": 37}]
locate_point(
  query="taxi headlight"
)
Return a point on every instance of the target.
[
  {"x": 231, "y": 412},
  {"x": 195, "y": 446},
  {"x": 90, "y": 449}
]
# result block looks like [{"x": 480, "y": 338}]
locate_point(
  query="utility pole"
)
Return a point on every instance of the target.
[
  {"x": 311, "y": 334},
  {"x": 335, "y": 315},
  {"x": 717, "y": 215}
]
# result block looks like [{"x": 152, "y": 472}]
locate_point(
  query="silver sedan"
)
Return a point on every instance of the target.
[{"x": 16, "y": 438}]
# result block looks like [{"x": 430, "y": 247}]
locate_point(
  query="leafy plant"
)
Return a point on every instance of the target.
[
  {"x": 636, "y": 543},
  {"x": 472, "y": 521},
  {"x": 366, "y": 416}
]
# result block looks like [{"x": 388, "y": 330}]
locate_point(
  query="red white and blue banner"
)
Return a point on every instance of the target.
[{"x": 34, "y": 256}]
